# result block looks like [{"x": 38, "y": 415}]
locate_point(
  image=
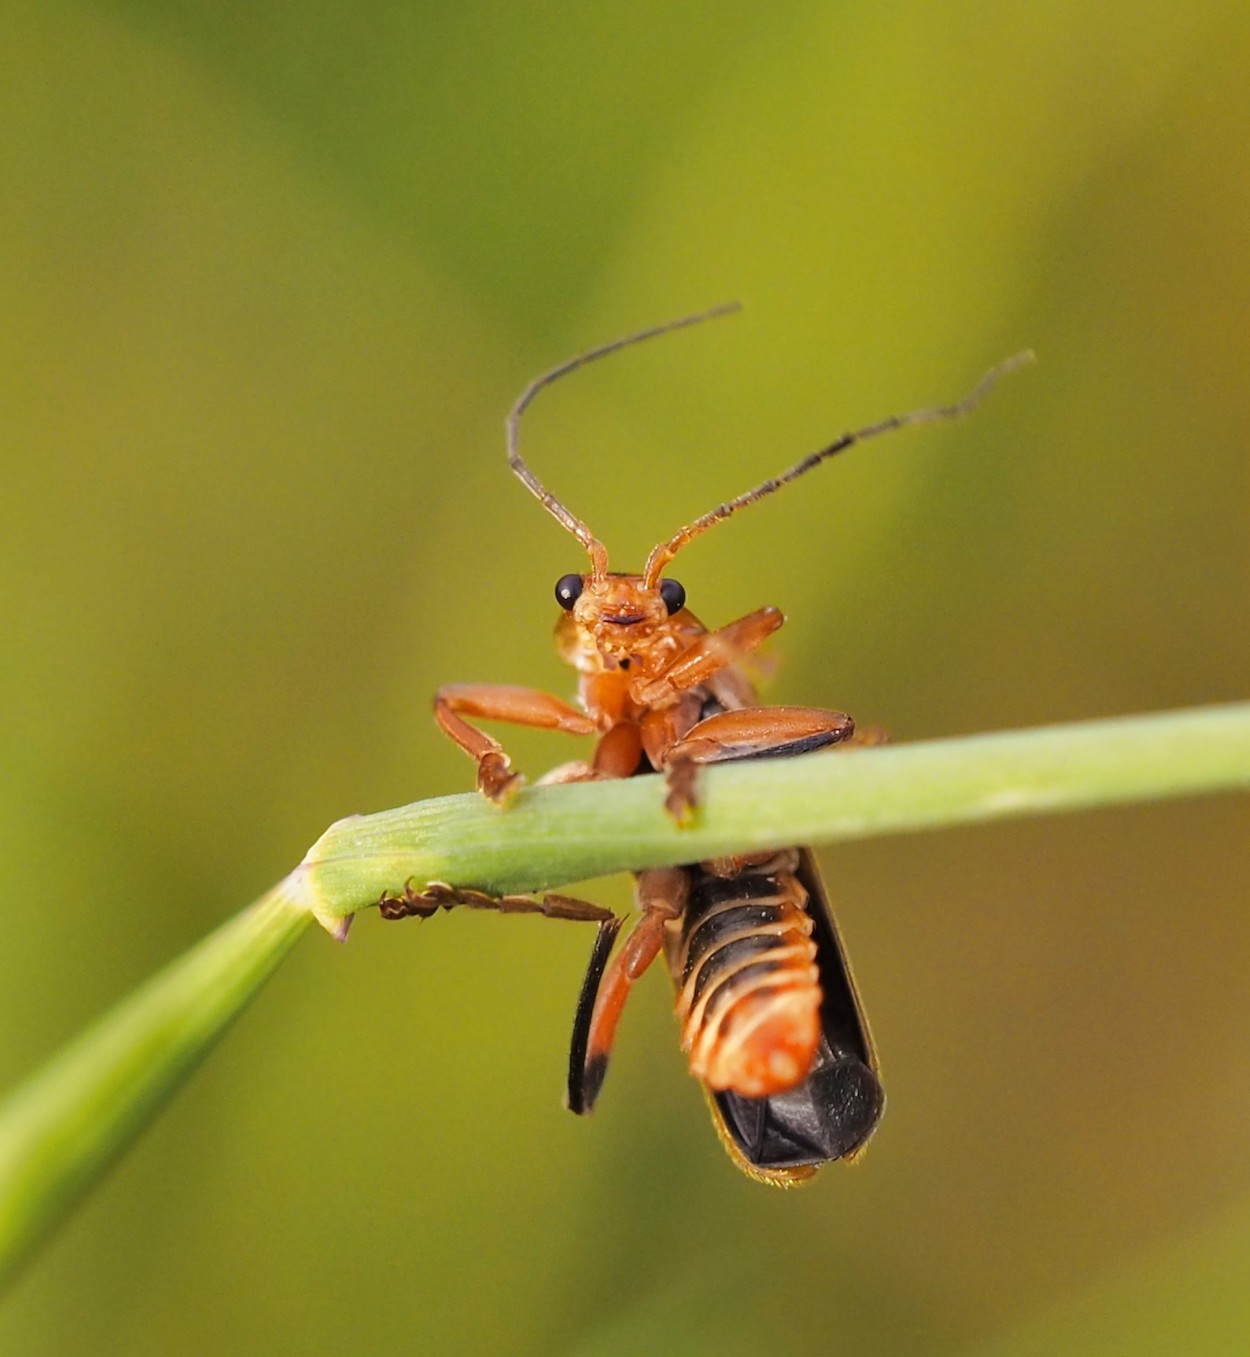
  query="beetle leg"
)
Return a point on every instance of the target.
[
  {"x": 594, "y": 1030},
  {"x": 439, "y": 895},
  {"x": 708, "y": 655},
  {"x": 662, "y": 894},
  {"x": 761, "y": 732},
  {"x": 616, "y": 755},
  {"x": 664, "y": 729},
  {"x": 749, "y": 733},
  {"x": 499, "y": 702},
  {"x": 578, "y": 770}
]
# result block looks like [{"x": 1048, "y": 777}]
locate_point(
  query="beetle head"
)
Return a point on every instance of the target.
[{"x": 620, "y": 613}]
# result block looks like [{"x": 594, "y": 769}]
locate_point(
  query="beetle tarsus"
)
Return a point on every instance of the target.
[
  {"x": 437, "y": 895},
  {"x": 496, "y": 780},
  {"x": 411, "y": 904},
  {"x": 682, "y": 781}
]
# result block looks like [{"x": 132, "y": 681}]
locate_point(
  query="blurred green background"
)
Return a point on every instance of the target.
[{"x": 270, "y": 278}]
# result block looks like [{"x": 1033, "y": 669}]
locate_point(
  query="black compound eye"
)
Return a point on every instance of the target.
[
  {"x": 568, "y": 590},
  {"x": 674, "y": 596}
]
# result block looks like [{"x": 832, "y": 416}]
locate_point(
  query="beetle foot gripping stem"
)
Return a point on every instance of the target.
[
  {"x": 497, "y": 780},
  {"x": 412, "y": 904},
  {"x": 415, "y": 904},
  {"x": 682, "y": 781}
]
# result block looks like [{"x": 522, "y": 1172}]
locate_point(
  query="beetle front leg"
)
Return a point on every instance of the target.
[
  {"x": 708, "y": 655},
  {"x": 733, "y": 736},
  {"x": 499, "y": 702},
  {"x": 762, "y": 732}
]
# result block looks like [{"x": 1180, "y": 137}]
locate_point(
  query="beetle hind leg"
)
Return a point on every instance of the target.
[
  {"x": 662, "y": 894},
  {"x": 602, "y": 1001},
  {"x": 415, "y": 904}
]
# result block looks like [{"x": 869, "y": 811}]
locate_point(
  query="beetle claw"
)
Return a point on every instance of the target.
[
  {"x": 496, "y": 779},
  {"x": 682, "y": 800}
]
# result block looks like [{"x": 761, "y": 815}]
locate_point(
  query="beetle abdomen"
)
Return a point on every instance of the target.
[{"x": 748, "y": 983}]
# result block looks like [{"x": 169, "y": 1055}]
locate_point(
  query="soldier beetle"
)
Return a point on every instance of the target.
[{"x": 769, "y": 1013}]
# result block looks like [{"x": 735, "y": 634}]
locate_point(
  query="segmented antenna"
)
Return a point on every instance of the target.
[
  {"x": 598, "y": 553},
  {"x": 665, "y": 552}
]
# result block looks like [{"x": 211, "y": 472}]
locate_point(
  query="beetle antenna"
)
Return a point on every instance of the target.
[
  {"x": 664, "y": 553},
  {"x": 598, "y": 553}
]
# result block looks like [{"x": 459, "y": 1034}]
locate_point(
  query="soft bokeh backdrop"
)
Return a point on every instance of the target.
[{"x": 270, "y": 277}]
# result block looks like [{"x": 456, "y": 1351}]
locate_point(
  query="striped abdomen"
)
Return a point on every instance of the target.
[{"x": 745, "y": 964}]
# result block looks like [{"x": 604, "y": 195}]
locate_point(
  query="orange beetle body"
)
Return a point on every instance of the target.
[{"x": 770, "y": 1018}]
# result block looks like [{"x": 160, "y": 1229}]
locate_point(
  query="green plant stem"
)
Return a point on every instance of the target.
[
  {"x": 60, "y": 1130},
  {"x": 550, "y": 836}
]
